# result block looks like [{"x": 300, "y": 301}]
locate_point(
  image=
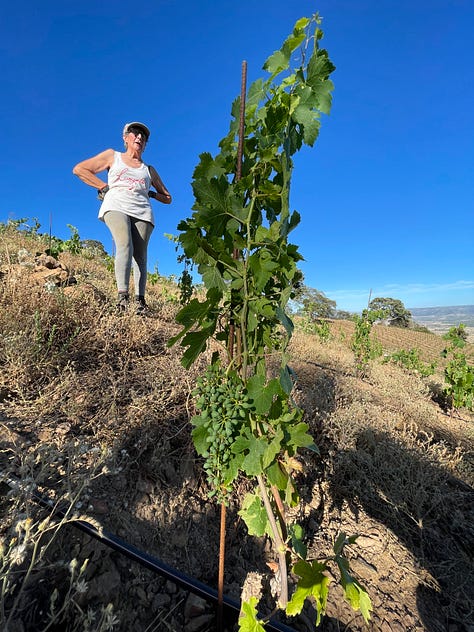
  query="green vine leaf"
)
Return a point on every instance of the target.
[
  {"x": 285, "y": 380},
  {"x": 196, "y": 342},
  {"x": 341, "y": 541},
  {"x": 199, "y": 435},
  {"x": 263, "y": 394},
  {"x": 280, "y": 60},
  {"x": 306, "y": 114},
  {"x": 248, "y": 621},
  {"x": 252, "y": 463},
  {"x": 254, "y": 515},
  {"x": 231, "y": 472},
  {"x": 273, "y": 448},
  {"x": 313, "y": 583},
  {"x": 277, "y": 477},
  {"x": 285, "y": 321},
  {"x": 213, "y": 278},
  {"x": 353, "y": 590},
  {"x": 358, "y": 598},
  {"x": 192, "y": 312},
  {"x": 299, "y": 436}
]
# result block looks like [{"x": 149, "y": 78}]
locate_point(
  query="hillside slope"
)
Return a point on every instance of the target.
[
  {"x": 440, "y": 319},
  {"x": 95, "y": 410}
]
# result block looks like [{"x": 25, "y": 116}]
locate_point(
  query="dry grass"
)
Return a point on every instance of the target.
[{"x": 77, "y": 376}]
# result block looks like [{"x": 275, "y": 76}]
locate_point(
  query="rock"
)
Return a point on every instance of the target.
[
  {"x": 170, "y": 587},
  {"x": 46, "y": 261},
  {"x": 5, "y": 394},
  {"x": 199, "y": 623},
  {"x": 119, "y": 482},
  {"x": 179, "y": 538},
  {"x": 63, "y": 428},
  {"x": 91, "y": 550},
  {"x": 99, "y": 506},
  {"x": 161, "y": 600},
  {"x": 49, "y": 271},
  {"x": 46, "y": 272},
  {"x": 25, "y": 258},
  {"x": 187, "y": 468},
  {"x": 194, "y": 606},
  {"x": 145, "y": 486},
  {"x": 141, "y": 594},
  {"x": 396, "y": 626},
  {"x": 105, "y": 585},
  {"x": 172, "y": 476}
]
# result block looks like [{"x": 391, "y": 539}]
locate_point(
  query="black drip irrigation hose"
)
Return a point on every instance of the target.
[{"x": 231, "y": 607}]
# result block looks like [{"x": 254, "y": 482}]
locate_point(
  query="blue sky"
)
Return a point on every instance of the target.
[{"x": 387, "y": 193}]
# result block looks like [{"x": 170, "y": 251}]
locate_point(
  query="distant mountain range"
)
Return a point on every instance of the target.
[{"x": 440, "y": 319}]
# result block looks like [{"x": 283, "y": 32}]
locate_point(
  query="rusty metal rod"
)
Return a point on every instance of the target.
[
  {"x": 240, "y": 146},
  {"x": 220, "y": 578},
  {"x": 238, "y": 175},
  {"x": 231, "y": 344}
]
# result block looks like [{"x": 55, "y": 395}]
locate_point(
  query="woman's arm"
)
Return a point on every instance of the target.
[
  {"x": 162, "y": 194},
  {"x": 87, "y": 169}
]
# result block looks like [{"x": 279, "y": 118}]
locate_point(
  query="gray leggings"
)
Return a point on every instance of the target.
[{"x": 131, "y": 237}]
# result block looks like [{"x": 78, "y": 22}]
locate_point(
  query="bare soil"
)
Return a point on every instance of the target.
[{"x": 393, "y": 467}]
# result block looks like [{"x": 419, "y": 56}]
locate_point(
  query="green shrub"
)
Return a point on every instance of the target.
[{"x": 410, "y": 360}]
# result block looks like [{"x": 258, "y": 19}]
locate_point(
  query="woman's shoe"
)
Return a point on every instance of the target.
[
  {"x": 141, "y": 307},
  {"x": 122, "y": 303}
]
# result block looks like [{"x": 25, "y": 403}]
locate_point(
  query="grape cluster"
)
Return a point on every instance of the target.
[{"x": 224, "y": 407}]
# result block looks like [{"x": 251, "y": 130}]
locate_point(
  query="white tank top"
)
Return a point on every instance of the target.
[{"x": 128, "y": 191}]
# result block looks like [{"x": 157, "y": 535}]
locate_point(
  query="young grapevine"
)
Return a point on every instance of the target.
[
  {"x": 237, "y": 237},
  {"x": 458, "y": 374}
]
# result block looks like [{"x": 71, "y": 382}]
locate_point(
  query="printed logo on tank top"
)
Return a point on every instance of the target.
[{"x": 133, "y": 183}]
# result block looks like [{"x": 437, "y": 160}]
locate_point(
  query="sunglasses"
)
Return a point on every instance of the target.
[{"x": 138, "y": 130}]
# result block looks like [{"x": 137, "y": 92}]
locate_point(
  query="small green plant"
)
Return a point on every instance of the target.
[
  {"x": 320, "y": 328},
  {"x": 23, "y": 225},
  {"x": 72, "y": 245},
  {"x": 364, "y": 348},
  {"x": 185, "y": 282},
  {"x": 323, "y": 330},
  {"x": 154, "y": 277},
  {"x": 186, "y": 287},
  {"x": 410, "y": 360},
  {"x": 168, "y": 292},
  {"x": 109, "y": 263},
  {"x": 458, "y": 374},
  {"x": 314, "y": 582}
]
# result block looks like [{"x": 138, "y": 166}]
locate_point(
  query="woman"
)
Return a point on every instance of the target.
[{"x": 126, "y": 207}]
